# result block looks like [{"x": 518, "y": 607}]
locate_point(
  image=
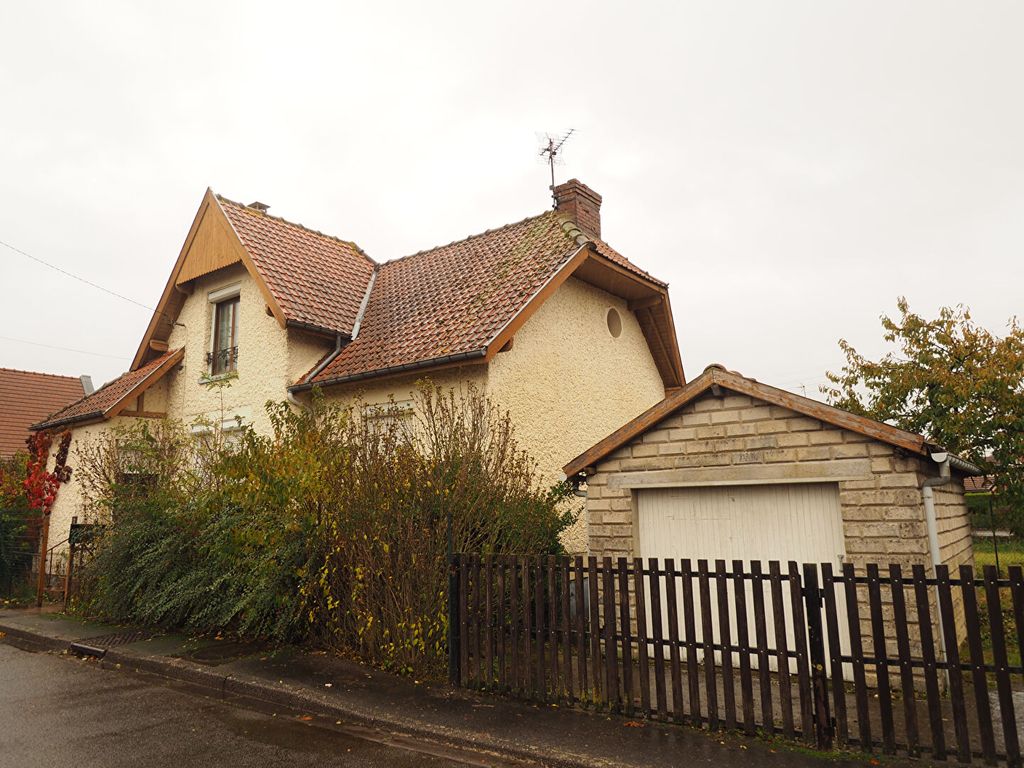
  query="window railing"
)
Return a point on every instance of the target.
[{"x": 223, "y": 360}]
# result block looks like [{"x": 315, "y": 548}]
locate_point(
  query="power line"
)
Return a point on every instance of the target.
[
  {"x": 76, "y": 277},
  {"x": 62, "y": 349}
]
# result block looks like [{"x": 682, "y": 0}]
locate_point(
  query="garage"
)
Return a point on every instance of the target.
[{"x": 728, "y": 468}]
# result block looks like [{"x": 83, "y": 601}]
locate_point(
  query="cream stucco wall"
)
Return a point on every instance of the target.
[
  {"x": 305, "y": 350},
  {"x": 270, "y": 358},
  {"x": 567, "y": 382},
  {"x": 403, "y": 388},
  {"x": 70, "y": 502}
]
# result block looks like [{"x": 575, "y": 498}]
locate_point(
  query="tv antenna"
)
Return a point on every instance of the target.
[{"x": 551, "y": 151}]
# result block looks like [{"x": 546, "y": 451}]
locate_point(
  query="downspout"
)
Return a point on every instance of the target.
[
  {"x": 942, "y": 459},
  {"x": 326, "y": 361},
  {"x": 928, "y": 496}
]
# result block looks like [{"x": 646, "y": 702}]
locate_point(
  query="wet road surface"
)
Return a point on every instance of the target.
[{"x": 61, "y": 711}]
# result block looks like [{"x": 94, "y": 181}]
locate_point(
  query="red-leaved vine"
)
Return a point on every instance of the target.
[{"x": 41, "y": 486}]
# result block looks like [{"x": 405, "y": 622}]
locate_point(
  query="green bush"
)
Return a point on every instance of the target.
[
  {"x": 18, "y": 528},
  {"x": 1002, "y": 515},
  {"x": 330, "y": 530}
]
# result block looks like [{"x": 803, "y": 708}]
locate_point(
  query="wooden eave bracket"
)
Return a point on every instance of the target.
[
  {"x": 645, "y": 303},
  {"x": 170, "y": 363}
]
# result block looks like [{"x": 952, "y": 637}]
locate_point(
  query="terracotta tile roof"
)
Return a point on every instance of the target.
[
  {"x": 612, "y": 255},
  {"x": 99, "y": 404},
  {"x": 318, "y": 280},
  {"x": 25, "y": 398},
  {"x": 453, "y": 300}
]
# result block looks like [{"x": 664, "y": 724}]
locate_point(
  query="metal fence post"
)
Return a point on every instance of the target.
[
  {"x": 454, "y": 635},
  {"x": 819, "y": 676},
  {"x": 72, "y": 548},
  {"x": 42, "y": 580}
]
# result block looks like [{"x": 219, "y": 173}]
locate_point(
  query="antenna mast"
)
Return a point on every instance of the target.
[{"x": 550, "y": 153}]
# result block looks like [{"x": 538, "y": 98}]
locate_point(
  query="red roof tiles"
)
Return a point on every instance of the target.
[
  {"x": 979, "y": 484},
  {"x": 612, "y": 255},
  {"x": 317, "y": 280},
  {"x": 105, "y": 399},
  {"x": 418, "y": 311},
  {"x": 25, "y": 398},
  {"x": 453, "y": 300}
]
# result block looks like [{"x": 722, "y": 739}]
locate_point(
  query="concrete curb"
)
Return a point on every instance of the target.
[
  {"x": 225, "y": 686},
  {"x": 31, "y": 641}
]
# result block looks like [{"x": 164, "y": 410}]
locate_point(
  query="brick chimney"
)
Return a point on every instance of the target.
[{"x": 576, "y": 199}]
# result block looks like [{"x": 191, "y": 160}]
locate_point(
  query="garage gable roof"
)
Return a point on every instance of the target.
[{"x": 717, "y": 377}]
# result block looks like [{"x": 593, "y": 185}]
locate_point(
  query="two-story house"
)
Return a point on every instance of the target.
[{"x": 545, "y": 317}]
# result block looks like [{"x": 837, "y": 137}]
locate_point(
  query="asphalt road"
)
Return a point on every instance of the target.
[{"x": 61, "y": 711}]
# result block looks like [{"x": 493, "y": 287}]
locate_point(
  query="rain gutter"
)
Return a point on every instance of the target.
[{"x": 432, "y": 362}]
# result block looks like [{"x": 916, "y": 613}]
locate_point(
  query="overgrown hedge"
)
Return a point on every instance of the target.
[{"x": 331, "y": 530}]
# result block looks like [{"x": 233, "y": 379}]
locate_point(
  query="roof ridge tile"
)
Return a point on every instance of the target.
[
  {"x": 468, "y": 238},
  {"x": 297, "y": 225},
  {"x": 41, "y": 373}
]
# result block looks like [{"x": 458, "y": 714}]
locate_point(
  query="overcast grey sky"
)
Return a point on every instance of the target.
[{"x": 789, "y": 167}]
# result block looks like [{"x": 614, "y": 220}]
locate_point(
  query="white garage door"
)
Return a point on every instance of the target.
[{"x": 799, "y": 522}]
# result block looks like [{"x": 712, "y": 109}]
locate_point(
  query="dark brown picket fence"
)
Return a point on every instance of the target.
[{"x": 871, "y": 660}]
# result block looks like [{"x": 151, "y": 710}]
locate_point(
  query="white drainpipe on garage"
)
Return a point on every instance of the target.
[{"x": 942, "y": 459}]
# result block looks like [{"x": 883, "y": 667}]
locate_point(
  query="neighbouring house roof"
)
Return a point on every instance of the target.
[
  {"x": 462, "y": 301},
  {"x": 113, "y": 397},
  {"x": 717, "y": 377},
  {"x": 25, "y": 398},
  {"x": 979, "y": 484}
]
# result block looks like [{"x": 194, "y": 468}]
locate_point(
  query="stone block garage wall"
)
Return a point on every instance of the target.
[{"x": 736, "y": 439}]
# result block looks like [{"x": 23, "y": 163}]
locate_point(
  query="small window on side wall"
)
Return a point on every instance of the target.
[
  {"x": 614, "y": 321},
  {"x": 224, "y": 357}
]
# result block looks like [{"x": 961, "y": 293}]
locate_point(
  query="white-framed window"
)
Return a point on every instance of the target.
[
  {"x": 227, "y": 435},
  {"x": 223, "y": 354},
  {"x": 382, "y": 415},
  {"x": 614, "y": 322}
]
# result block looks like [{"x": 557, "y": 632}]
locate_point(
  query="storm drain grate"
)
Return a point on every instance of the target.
[{"x": 98, "y": 646}]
